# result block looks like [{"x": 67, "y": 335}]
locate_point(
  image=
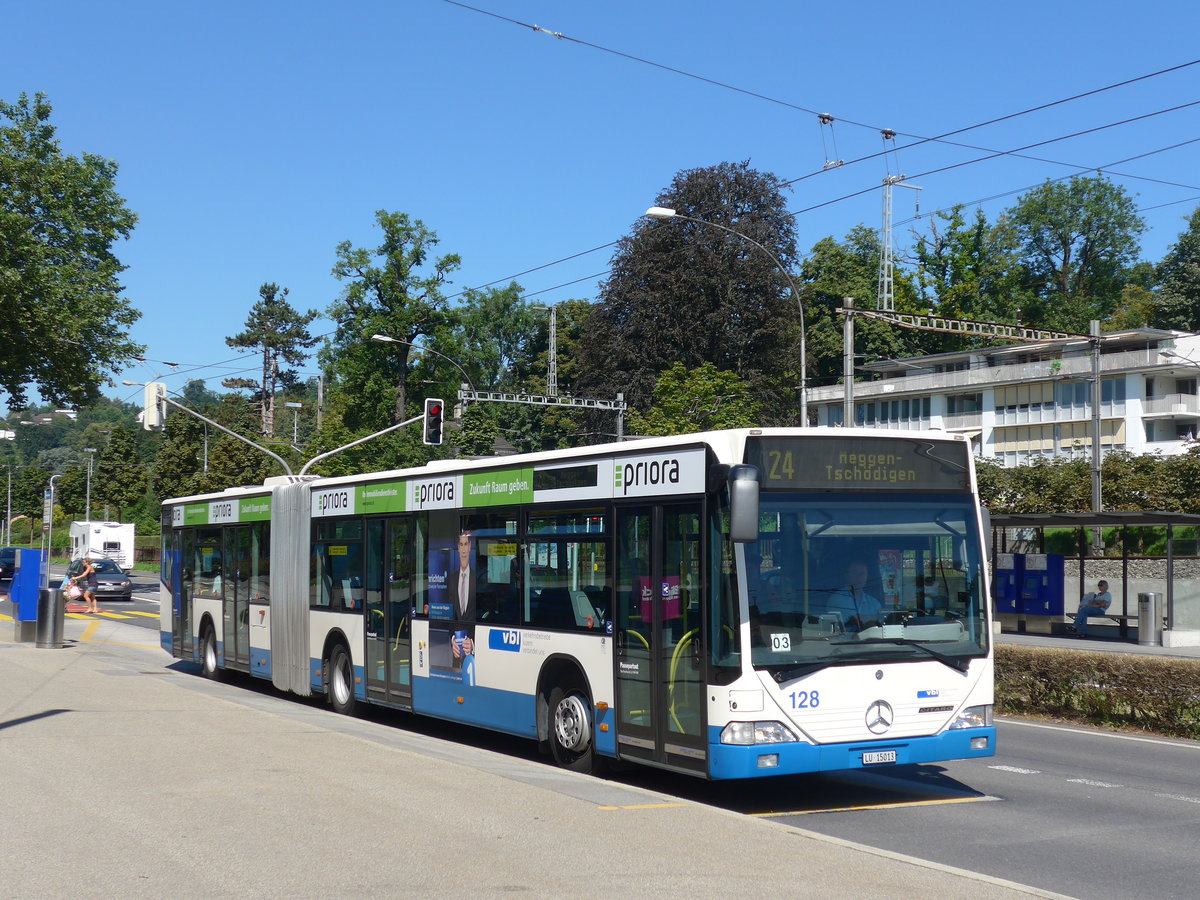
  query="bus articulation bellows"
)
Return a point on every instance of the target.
[{"x": 729, "y": 604}]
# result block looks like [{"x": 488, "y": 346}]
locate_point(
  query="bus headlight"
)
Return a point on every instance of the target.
[
  {"x": 747, "y": 733},
  {"x": 973, "y": 717}
]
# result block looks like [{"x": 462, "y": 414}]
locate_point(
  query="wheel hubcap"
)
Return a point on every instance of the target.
[
  {"x": 341, "y": 685},
  {"x": 571, "y": 723}
]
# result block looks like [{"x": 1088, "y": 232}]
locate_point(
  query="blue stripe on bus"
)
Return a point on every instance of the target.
[
  {"x": 164, "y": 641},
  {"x": 507, "y": 711},
  {"x": 606, "y": 741},
  {"x": 730, "y": 761},
  {"x": 260, "y": 662},
  {"x": 314, "y": 675}
]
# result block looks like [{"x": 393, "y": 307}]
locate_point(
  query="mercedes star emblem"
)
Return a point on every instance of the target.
[{"x": 880, "y": 716}]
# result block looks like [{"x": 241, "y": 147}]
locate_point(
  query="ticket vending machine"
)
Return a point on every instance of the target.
[
  {"x": 1010, "y": 567},
  {"x": 1042, "y": 584}
]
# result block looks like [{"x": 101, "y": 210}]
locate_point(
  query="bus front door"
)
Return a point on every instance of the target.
[{"x": 659, "y": 676}]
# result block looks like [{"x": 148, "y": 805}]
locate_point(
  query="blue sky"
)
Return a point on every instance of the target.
[{"x": 253, "y": 137}]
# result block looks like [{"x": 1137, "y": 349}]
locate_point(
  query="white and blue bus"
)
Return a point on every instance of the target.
[{"x": 731, "y": 604}]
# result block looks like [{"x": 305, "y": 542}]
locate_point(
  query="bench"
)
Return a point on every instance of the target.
[{"x": 1122, "y": 620}]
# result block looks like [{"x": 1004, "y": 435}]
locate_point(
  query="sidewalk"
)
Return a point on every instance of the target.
[
  {"x": 1095, "y": 644},
  {"x": 126, "y": 774}
]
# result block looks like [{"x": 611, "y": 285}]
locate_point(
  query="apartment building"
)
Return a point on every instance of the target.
[{"x": 1020, "y": 402}]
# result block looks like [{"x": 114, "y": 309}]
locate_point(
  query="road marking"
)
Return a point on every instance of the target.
[
  {"x": 1017, "y": 770},
  {"x": 112, "y": 615},
  {"x": 899, "y": 804},
  {"x": 1178, "y": 797},
  {"x": 645, "y": 806},
  {"x": 134, "y": 612},
  {"x": 1090, "y": 783},
  {"x": 5, "y": 618},
  {"x": 1182, "y": 743}
]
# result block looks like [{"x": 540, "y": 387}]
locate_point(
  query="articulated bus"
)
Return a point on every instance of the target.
[{"x": 732, "y": 604}]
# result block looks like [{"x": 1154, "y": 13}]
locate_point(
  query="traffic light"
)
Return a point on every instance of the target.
[{"x": 434, "y": 410}]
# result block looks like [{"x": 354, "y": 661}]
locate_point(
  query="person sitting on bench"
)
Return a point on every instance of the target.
[{"x": 1093, "y": 604}]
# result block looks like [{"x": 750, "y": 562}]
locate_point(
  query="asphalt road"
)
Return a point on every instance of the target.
[{"x": 1082, "y": 812}]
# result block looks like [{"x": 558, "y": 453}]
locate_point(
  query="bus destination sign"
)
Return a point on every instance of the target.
[{"x": 893, "y": 463}]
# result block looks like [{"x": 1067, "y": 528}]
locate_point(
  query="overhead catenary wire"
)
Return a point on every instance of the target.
[{"x": 828, "y": 119}]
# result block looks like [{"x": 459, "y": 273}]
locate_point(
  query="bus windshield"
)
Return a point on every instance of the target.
[{"x": 836, "y": 579}]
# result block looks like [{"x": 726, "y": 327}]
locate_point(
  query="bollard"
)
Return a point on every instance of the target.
[
  {"x": 1149, "y": 620},
  {"x": 50, "y": 616}
]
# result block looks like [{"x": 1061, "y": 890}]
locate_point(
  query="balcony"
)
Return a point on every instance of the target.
[
  {"x": 963, "y": 421},
  {"x": 1172, "y": 405},
  {"x": 1075, "y": 368}
]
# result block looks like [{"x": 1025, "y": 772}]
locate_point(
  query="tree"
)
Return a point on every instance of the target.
[
  {"x": 63, "y": 324},
  {"x": 386, "y": 291},
  {"x": 703, "y": 399},
  {"x": 280, "y": 334},
  {"x": 968, "y": 270},
  {"x": 694, "y": 294},
  {"x": 835, "y": 270},
  {"x": 120, "y": 478},
  {"x": 1179, "y": 272},
  {"x": 1077, "y": 240}
]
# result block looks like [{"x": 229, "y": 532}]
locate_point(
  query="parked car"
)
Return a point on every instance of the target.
[
  {"x": 111, "y": 581},
  {"x": 8, "y": 563}
]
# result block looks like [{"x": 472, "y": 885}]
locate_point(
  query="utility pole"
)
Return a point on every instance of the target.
[
  {"x": 885, "y": 298},
  {"x": 848, "y": 362}
]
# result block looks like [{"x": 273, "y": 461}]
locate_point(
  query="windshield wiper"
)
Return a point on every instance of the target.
[{"x": 954, "y": 662}]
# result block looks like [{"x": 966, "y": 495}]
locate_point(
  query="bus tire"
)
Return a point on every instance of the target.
[
  {"x": 571, "y": 738},
  {"x": 209, "y": 662},
  {"x": 341, "y": 682}
]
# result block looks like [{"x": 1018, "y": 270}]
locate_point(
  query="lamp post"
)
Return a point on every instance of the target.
[
  {"x": 91, "y": 452},
  {"x": 663, "y": 213},
  {"x": 295, "y": 408},
  {"x": 387, "y": 339}
]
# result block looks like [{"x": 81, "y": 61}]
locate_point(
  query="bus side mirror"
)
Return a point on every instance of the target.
[{"x": 743, "y": 504}]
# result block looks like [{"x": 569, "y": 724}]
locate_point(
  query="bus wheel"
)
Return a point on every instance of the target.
[
  {"x": 571, "y": 729},
  {"x": 208, "y": 654},
  {"x": 341, "y": 682}
]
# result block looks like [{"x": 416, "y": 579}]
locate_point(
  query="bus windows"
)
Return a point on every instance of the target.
[{"x": 336, "y": 566}]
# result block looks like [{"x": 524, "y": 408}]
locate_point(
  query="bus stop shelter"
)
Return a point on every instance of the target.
[{"x": 1176, "y": 576}]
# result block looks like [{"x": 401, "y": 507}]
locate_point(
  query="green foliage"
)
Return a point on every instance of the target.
[
  {"x": 63, "y": 324},
  {"x": 1155, "y": 694},
  {"x": 387, "y": 291},
  {"x": 704, "y": 399},
  {"x": 692, "y": 293},
  {"x": 1179, "y": 305},
  {"x": 479, "y": 431},
  {"x": 119, "y": 478},
  {"x": 967, "y": 270},
  {"x": 280, "y": 335},
  {"x": 1076, "y": 240}
]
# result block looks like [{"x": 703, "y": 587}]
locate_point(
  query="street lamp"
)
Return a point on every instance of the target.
[
  {"x": 663, "y": 213},
  {"x": 91, "y": 452},
  {"x": 295, "y": 408},
  {"x": 386, "y": 339}
]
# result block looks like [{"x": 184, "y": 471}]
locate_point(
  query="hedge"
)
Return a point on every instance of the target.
[{"x": 1151, "y": 693}]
